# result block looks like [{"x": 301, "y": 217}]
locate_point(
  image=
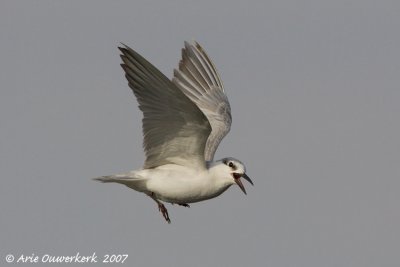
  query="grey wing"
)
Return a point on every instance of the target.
[
  {"x": 174, "y": 129},
  {"x": 198, "y": 79}
]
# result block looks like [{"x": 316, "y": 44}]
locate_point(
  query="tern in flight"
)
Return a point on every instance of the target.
[{"x": 184, "y": 120}]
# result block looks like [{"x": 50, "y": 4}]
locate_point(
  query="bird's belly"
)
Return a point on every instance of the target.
[{"x": 182, "y": 191}]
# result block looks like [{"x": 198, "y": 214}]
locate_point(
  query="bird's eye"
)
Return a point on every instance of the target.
[{"x": 230, "y": 164}]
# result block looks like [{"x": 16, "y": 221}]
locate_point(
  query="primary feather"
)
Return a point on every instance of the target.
[
  {"x": 198, "y": 79},
  {"x": 175, "y": 130}
]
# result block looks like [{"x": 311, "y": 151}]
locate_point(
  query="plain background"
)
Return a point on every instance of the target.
[{"x": 314, "y": 88}]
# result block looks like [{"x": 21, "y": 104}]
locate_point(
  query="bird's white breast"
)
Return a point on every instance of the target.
[{"x": 178, "y": 184}]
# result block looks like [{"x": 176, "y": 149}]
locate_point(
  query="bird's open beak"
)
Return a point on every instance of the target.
[{"x": 239, "y": 182}]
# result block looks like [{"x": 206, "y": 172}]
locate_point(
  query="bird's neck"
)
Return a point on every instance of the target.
[{"x": 218, "y": 175}]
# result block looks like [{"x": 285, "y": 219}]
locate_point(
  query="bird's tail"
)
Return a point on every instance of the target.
[
  {"x": 106, "y": 179},
  {"x": 136, "y": 183}
]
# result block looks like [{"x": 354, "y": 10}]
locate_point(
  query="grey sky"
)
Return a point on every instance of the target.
[{"x": 314, "y": 90}]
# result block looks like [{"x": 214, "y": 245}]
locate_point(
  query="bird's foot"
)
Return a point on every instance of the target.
[
  {"x": 185, "y": 205},
  {"x": 164, "y": 212}
]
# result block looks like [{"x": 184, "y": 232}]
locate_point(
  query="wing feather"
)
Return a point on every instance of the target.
[
  {"x": 175, "y": 130},
  {"x": 198, "y": 79}
]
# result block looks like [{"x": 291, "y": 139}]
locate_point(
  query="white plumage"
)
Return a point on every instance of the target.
[{"x": 184, "y": 120}]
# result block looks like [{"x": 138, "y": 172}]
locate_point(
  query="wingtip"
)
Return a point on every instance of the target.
[
  {"x": 186, "y": 46},
  {"x": 123, "y": 50},
  {"x": 191, "y": 44},
  {"x": 123, "y": 44}
]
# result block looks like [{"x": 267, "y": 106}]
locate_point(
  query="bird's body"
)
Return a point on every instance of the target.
[
  {"x": 184, "y": 121},
  {"x": 176, "y": 184}
]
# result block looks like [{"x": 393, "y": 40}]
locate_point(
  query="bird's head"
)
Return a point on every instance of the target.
[{"x": 236, "y": 170}]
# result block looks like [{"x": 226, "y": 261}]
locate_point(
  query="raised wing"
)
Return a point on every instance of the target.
[
  {"x": 198, "y": 78},
  {"x": 174, "y": 129}
]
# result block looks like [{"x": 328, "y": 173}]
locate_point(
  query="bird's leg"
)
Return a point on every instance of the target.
[
  {"x": 184, "y": 205},
  {"x": 161, "y": 207},
  {"x": 164, "y": 211}
]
